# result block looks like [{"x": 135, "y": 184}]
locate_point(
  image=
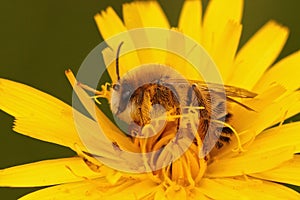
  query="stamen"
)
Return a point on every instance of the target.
[
  {"x": 88, "y": 88},
  {"x": 95, "y": 164},
  {"x": 177, "y": 171},
  {"x": 143, "y": 145},
  {"x": 186, "y": 168},
  {"x": 83, "y": 177},
  {"x": 245, "y": 177},
  {"x": 283, "y": 118},
  {"x": 252, "y": 139},
  {"x": 165, "y": 173},
  {"x": 162, "y": 141},
  {"x": 95, "y": 98},
  {"x": 104, "y": 93},
  {"x": 202, "y": 169},
  {"x": 148, "y": 130},
  {"x": 195, "y": 107},
  {"x": 154, "y": 178},
  {"x": 70, "y": 76},
  {"x": 193, "y": 126},
  {"x": 171, "y": 117}
]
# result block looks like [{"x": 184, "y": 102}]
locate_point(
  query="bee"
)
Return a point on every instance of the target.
[{"x": 149, "y": 91}]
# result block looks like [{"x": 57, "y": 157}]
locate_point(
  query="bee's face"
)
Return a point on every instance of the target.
[
  {"x": 129, "y": 93},
  {"x": 122, "y": 92}
]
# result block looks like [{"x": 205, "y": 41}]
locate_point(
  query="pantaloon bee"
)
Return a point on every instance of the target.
[{"x": 136, "y": 95}]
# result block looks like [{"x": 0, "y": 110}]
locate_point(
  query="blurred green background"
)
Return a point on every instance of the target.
[{"x": 40, "y": 39}]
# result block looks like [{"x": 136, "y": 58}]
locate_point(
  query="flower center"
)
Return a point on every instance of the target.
[
  {"x": 178, "y": 138},
  {"x": 178, "y": 150}
]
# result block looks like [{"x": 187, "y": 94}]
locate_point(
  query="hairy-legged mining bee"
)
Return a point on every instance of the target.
[{"x": 152, "y": 90}]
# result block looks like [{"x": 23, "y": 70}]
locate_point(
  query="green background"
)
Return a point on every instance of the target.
[{"x": 40, "y": 39}]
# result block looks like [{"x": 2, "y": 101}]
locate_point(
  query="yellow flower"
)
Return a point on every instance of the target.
[{"x": 266, "y": 157}]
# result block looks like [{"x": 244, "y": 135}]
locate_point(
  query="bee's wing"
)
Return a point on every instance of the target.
[{"x": 231, "y": 91}]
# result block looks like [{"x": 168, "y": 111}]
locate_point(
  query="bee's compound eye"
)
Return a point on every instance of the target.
[
  {"x": 116, "y": 87},
  {"x": 126, "y": 94}
]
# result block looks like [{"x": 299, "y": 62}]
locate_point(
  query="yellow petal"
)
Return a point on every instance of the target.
[
  {"x": 251, "y": 123},
  {"x": 109, "y": 57},
  {"x": 179, "y": 46},
  {"x": 275, "y": 112},
  {"x": 286, "y": 73},
  {"x": 128, "y": 59},
  {"x": 131, "y": 15},
  {"x": 134, "y": 19},
  {"x": 198, "y": 195},
  {"x": 160, "y": 194},
  {"x": 109, "y": 25},
  {"x": 288, "y": 172},
  {"x": 140, "y": 14},
  {"x": 48, "y": 172},
  {"x": 258, "y": 54},
  {"x": 268, "y": 139},
  {"x": 176, "y": 193},
  {"x": 110, "y": 130},
  {"x": 38, "y": 114},
  {"x": 280, "y": 136},
  {"x": 243, "y": 119},
  {"x": 224, "y": 49},
  {"x": 251, "y": 161},
  {"x": 286, "y": 107},
  {"x": 217, "y": 15},
  {"x": 72, "y": 191},
  {"x": 190, "y": 19},
  {"x": 96, "y": 189},
  {"x": 229, "y": 189},
  {"x": 265, "y": 98},
  {"x": 133, "y": 189}
]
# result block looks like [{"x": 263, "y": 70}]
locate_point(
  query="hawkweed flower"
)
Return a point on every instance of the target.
[{"x": 261, "y": 153}]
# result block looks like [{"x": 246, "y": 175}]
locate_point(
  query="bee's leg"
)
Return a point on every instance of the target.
[
  {"x": 190, "y": 96},
  {"x": 219, "y": 144},
  {"x": 140, "y": 100},
  {"x": 140, "y": 96},
  {"x": 172, "y": 89},
  {"x": 224, "y": 133}
]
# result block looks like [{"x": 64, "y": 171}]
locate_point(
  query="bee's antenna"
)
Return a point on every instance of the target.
[{"x": 117, "y": 60}]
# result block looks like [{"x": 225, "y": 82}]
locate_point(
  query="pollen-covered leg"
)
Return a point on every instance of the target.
[{"x": 229, "y": 130}]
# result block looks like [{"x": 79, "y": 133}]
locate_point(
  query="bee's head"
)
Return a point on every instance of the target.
[
  {"x": 117, "y": 89},
  {"x": 120, "y": 98},
  {"x": 128, "y": 90}
]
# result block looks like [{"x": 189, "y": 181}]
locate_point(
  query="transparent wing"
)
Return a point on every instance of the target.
[
  {"x": 230, "y": 91},
  {"x": 218, "y": 89}
]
